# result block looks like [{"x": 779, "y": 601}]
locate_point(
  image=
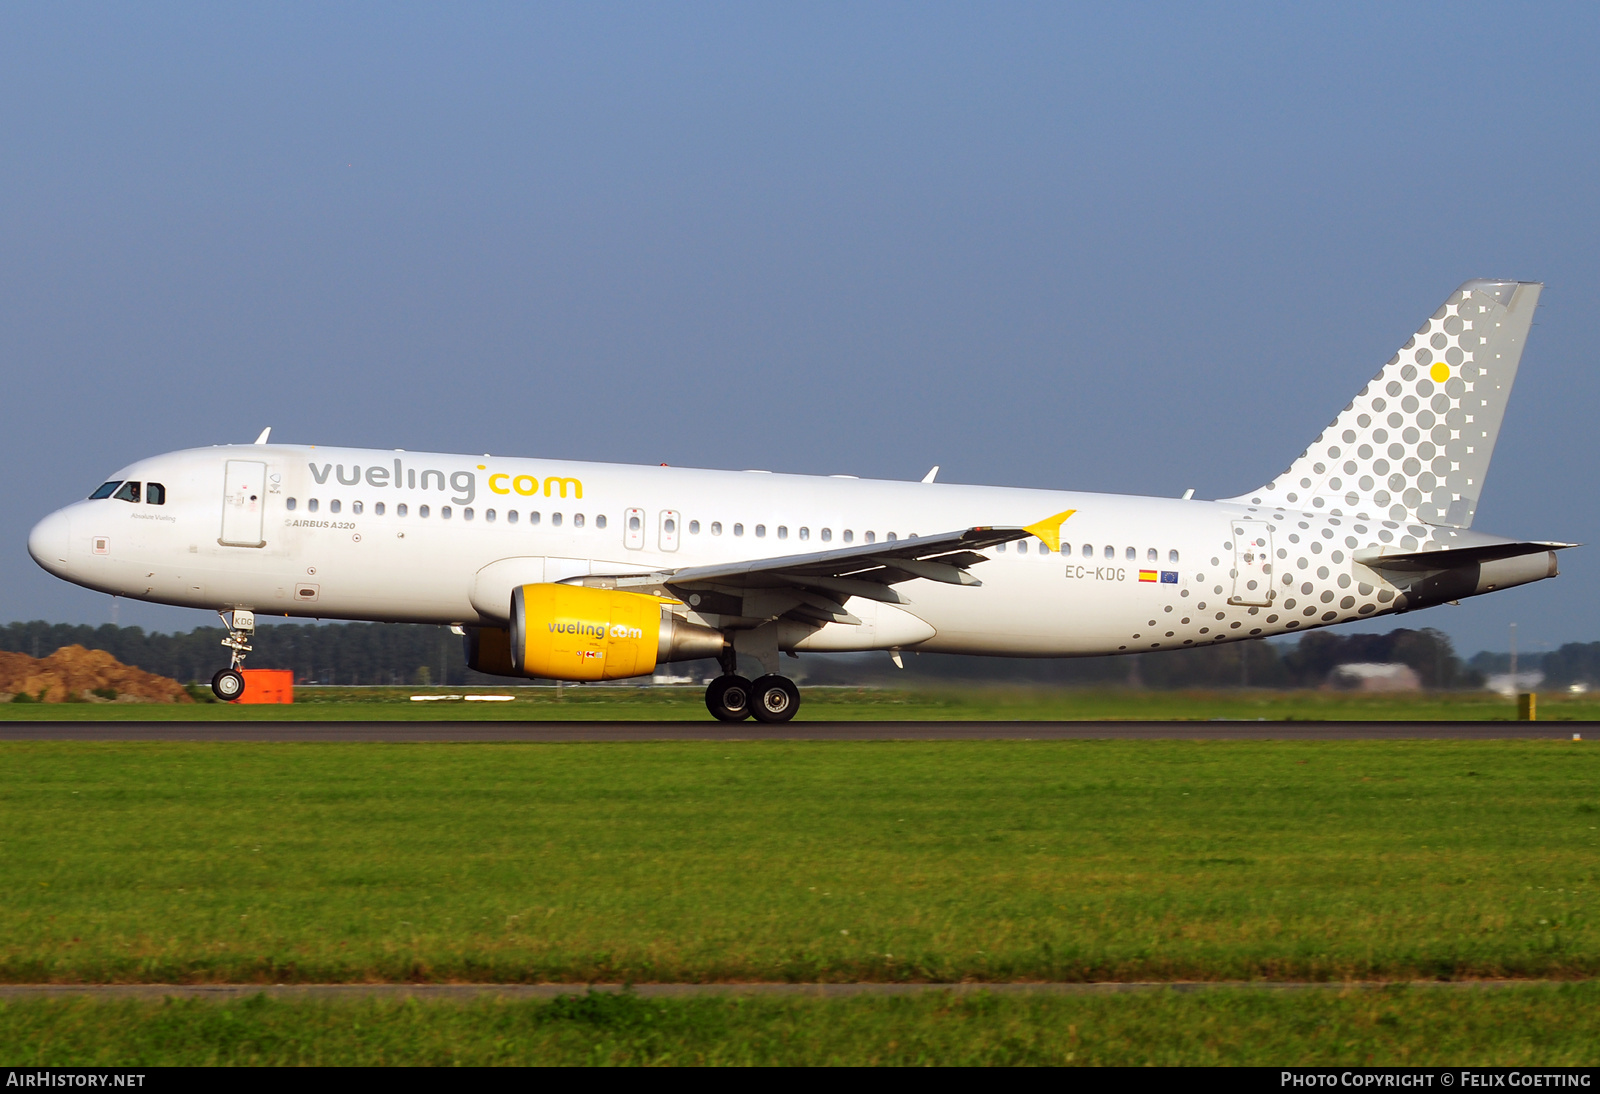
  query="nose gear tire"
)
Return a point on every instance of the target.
[
  {"x": 228, "y": 685},
  {"x": 774, "y": 699},
  {"x": 728, "y": 698}
]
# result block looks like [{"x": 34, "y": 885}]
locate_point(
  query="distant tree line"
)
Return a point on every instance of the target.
[
  {"x": 345, "y": 653},
  {"x": 1573, "y": 663},
  {"x": 381, "y": 653},
  {"x": 1302, "y": 664}
]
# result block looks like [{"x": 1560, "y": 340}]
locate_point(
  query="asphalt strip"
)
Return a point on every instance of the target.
[
  {"x": 223, "y": 993},
  {"x": 552, "y": 732}
]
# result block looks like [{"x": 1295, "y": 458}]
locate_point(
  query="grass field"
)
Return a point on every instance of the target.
[
  {"x": 1077, "y": 860},
  {"x": 840, "y": 704},
  {"x": 1523, "y": 1026}
]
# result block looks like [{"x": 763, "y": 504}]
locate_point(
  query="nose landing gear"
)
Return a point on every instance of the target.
[{"x": 228, "y": 683}]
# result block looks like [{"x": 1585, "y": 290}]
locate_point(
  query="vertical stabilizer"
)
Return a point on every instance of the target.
[{"x": 1414, "y": 445}]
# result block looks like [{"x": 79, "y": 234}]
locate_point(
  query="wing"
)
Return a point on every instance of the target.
[{"x": 814, "y": 587}]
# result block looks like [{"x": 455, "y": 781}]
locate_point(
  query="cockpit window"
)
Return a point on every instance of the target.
[
  {"x": 105, "y": 491},
  {"x": 155, "y": 493},
  {"x": 129, "y": 492}
]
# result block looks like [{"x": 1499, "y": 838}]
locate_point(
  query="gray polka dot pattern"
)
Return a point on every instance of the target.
[{"x": 1414, "y": 445}]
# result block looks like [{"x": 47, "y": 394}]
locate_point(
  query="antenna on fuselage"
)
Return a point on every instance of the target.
[{"x": 265, "y": 433}]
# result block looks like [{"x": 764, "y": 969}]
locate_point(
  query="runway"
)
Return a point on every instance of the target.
[{"x": 552, "y": 732}]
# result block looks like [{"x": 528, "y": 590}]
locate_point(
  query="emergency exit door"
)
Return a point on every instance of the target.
[{"x": 244, "y": 494}]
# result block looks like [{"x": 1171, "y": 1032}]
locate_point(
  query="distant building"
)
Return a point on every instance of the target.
[
  {"x": 1505, "y": 685},
  {"x": 1366, "y": 676}
]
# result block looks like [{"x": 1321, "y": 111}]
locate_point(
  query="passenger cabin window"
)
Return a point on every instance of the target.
[
  {"x": 849, "y": 536},
  {"x": 555, "y": 520},
  {"x": 1022, "y": 546},
  {"x": 870, "y": 537},
  {"x": 1172, "y": 556},
  {"x": 761, "y": 530},
  {"x": 128, "y": 492},
  {"x": 511, "y": 516},
  {"x": 600, "y": 520},
  {"x": 106, "y": 490},
  {"x": 738, "y": 529},
  {"x": 716, "y": 527},
  {"x": 488, "y": 516},
  {"x": 334, "y": 506},
  {"x": 1000, "y": 547},
  {"x": 533, "y": 517},
  {"x": 378, "y": 508},
  {"x": 1110, "y": 551},
  {"x": 356, "y": 507},
  {"x": 694, "y": 528},
  {"x": 805, "y": 533},
  {"x": 634, "y": 524},
  {"x": 891, "y": 537},
  {"x": 155, "y": 494},
  {"x": 1088, "y": 550},
  {"x": 1152, "y": 555},
  {"x": 577, "y": 520},
  {"x": 466, "y": 514},
  {"x": 783, "y": 531},
  {"x": 401, "y": 510},
  {"x": 827, "y": 535},
  {"x": 1132, "y": 554},
  {"x": 444, "y": 512},
  {"x": 422, "y": 511},
  {"x": 311, "y": 505}
]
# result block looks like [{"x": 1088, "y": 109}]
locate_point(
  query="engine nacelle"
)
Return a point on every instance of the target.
[{"x": 570, "y": 632}]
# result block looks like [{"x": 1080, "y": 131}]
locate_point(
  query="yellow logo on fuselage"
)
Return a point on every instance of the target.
[{"x": 528, "y": 485}]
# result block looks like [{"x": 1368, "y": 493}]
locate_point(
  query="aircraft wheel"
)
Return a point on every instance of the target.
[
  {"x": 728, "y": 698},
  {"x": 774, "y": 699},
  {"x": 228, "y": 685}
]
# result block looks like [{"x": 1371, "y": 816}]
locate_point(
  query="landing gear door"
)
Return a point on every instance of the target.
[
  {"x": 244, "y": 494},
  {"x": 1252, "y": 563}
]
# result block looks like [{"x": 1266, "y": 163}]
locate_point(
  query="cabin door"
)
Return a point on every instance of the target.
[{"x": 244, "y": 494}]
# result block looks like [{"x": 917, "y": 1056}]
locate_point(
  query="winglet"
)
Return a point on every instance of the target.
[
  {"x": 929, "y": 477},
  {"x": 265, "y": 433},
  {"x": 1049, "y": 529}
]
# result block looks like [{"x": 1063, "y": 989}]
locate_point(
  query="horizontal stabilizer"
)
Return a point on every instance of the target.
[{"x": 1451, "y": 558}]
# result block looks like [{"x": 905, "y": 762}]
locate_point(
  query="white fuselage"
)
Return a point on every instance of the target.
[{"x": 1133, "y": 573}]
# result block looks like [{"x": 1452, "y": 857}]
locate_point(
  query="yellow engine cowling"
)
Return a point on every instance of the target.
[{"x": 569, "y": 632}]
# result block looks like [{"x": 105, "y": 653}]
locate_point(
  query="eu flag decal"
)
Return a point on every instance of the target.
[{"x": 1169, "y": 577}]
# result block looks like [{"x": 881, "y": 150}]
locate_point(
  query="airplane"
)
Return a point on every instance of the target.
[{"x": 595, "y": 571}]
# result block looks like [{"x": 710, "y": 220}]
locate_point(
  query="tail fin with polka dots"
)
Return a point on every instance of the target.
[{"x": 1414, "y": 445}]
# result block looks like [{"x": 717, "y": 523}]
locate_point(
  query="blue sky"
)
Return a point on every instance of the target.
[{"x": 1125, "y": 248}]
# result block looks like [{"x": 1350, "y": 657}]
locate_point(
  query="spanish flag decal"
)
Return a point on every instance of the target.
[{"x": 1147, "y": 575}]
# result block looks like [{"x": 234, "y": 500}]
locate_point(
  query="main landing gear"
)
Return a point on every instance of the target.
[
  {"x": 228, "y": 683},
  {"x": 732, "y": 698}
]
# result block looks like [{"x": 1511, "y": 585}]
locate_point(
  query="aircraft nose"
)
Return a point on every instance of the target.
[{"x": 49, "y": 540}]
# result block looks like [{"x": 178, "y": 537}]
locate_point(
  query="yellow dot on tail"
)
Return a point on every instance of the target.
[{"x": 1440, "y": 372}]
